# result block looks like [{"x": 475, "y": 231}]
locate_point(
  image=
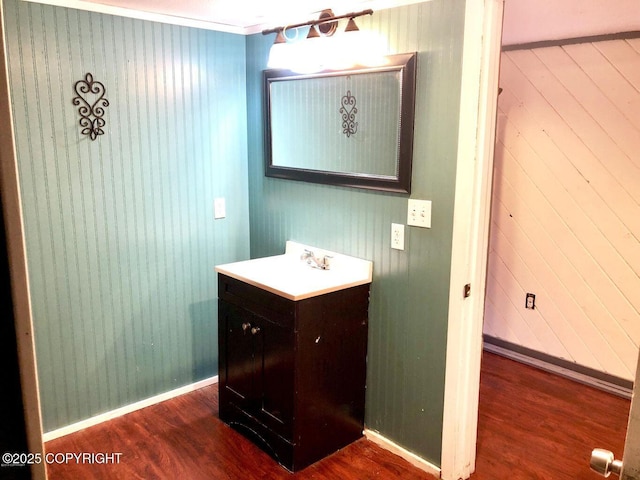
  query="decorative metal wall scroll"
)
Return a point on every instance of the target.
[
  {"x": 348, "y": 112},
  {"x": 91, "y": 104}
]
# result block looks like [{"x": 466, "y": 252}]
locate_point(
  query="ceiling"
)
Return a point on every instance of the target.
[
  {"x": 528, "y": 21},
  {"x": 238, "y": 16},
  {"x": 524, "y": 20}
]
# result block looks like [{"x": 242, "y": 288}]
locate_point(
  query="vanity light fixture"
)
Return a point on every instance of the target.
[
  {"x": 327, "y": 24},
  {"x": 280, "y": 38},
  {"x": 292, "y": 53},
  {"x": 313, "y": 33},
  {"x": 351, "y": 26},
  {"x": 329, "y": 28}
]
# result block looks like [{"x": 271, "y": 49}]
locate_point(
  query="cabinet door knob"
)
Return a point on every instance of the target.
[
  {"x": 255, "y": 330},
  {"x": 246, "y": 326}
]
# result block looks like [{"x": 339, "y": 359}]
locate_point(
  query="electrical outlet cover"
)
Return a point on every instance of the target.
[
  {"x": 397, "y": 236},
  {"x": 530, "y": 301},
  {"x": 219, "y": 208},
  {"x": 419, "y": 213}
]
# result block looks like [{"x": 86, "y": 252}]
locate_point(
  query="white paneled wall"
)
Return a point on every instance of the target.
[{"x": 566, "y": 204}]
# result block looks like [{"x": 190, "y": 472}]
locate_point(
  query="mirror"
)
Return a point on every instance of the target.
[{"x": 349, "y": 127}]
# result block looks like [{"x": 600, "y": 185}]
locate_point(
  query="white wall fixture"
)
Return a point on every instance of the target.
[
  {"x": 397, "y": 236},
  {"x": 219, "y": 208},
  {"x": 419, "y": 213}
]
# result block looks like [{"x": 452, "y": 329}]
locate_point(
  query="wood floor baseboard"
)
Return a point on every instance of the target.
[
  {"x": 609, "y": 384},
  {"x": 118, "y": 412},
  {"x": 410, "y": 457}
]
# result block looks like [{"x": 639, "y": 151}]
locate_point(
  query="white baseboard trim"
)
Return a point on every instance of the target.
[
  {"x": 118, "y": 412},
  {"x": 410, "y": 457}
]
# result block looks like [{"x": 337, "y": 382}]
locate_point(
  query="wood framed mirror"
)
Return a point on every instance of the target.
[{"x": 351, "y": 128}]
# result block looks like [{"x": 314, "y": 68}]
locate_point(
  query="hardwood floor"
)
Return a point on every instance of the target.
[
  {"x": 532, "y": 425},
  {"x": 182, "y": 438},
  {"x": 536, "y": 425}
]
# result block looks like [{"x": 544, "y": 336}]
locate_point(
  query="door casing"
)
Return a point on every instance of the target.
[{"x": 474, "y": 174}]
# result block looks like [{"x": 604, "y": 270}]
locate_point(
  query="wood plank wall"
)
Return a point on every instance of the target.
[
  {"x": 566, "y": 204},
  {"x": 120, "y": 236},
  {"x": 410, "y": 291}
]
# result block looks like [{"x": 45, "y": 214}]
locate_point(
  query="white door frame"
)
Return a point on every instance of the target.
[
  {"x": 474, "y": 173},
  {"x": 18, "y": 268},
  {"x": 631, "y": 456}
]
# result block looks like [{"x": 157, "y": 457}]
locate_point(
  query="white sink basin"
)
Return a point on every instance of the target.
[{"x": 290, "y": 277}]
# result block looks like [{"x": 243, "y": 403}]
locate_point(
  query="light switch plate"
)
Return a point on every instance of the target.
[
  {"x": 219, "y": 208},
  {"x": 397, "y": 236},
  {"x": 419, "y": 213}
]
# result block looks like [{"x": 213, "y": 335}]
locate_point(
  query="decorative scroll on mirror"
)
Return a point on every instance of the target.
[{"x": 349, "y": 127}]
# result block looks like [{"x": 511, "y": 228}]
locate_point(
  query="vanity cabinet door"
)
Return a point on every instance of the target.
[
  {"x": 239, "y": 363},
  {"x": 256, "y": 365},
  {"x": 277, "y": 377}
]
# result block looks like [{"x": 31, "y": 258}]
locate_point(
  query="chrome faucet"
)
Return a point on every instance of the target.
[{"x": 323, "y": 263}]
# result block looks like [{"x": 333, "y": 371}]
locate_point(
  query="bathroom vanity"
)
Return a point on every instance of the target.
[{"x": 292, "y": 352}]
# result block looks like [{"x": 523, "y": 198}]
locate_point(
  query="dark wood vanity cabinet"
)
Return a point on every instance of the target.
[{"x": 292, "y": 373}]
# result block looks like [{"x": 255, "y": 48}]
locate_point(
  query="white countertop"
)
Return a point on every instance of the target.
[{"x": 290, "y": 277}]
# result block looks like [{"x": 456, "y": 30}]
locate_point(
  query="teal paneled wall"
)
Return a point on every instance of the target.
[
  {"x": 121, "y": 240},
  {"x": 410, "y": 291}
]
